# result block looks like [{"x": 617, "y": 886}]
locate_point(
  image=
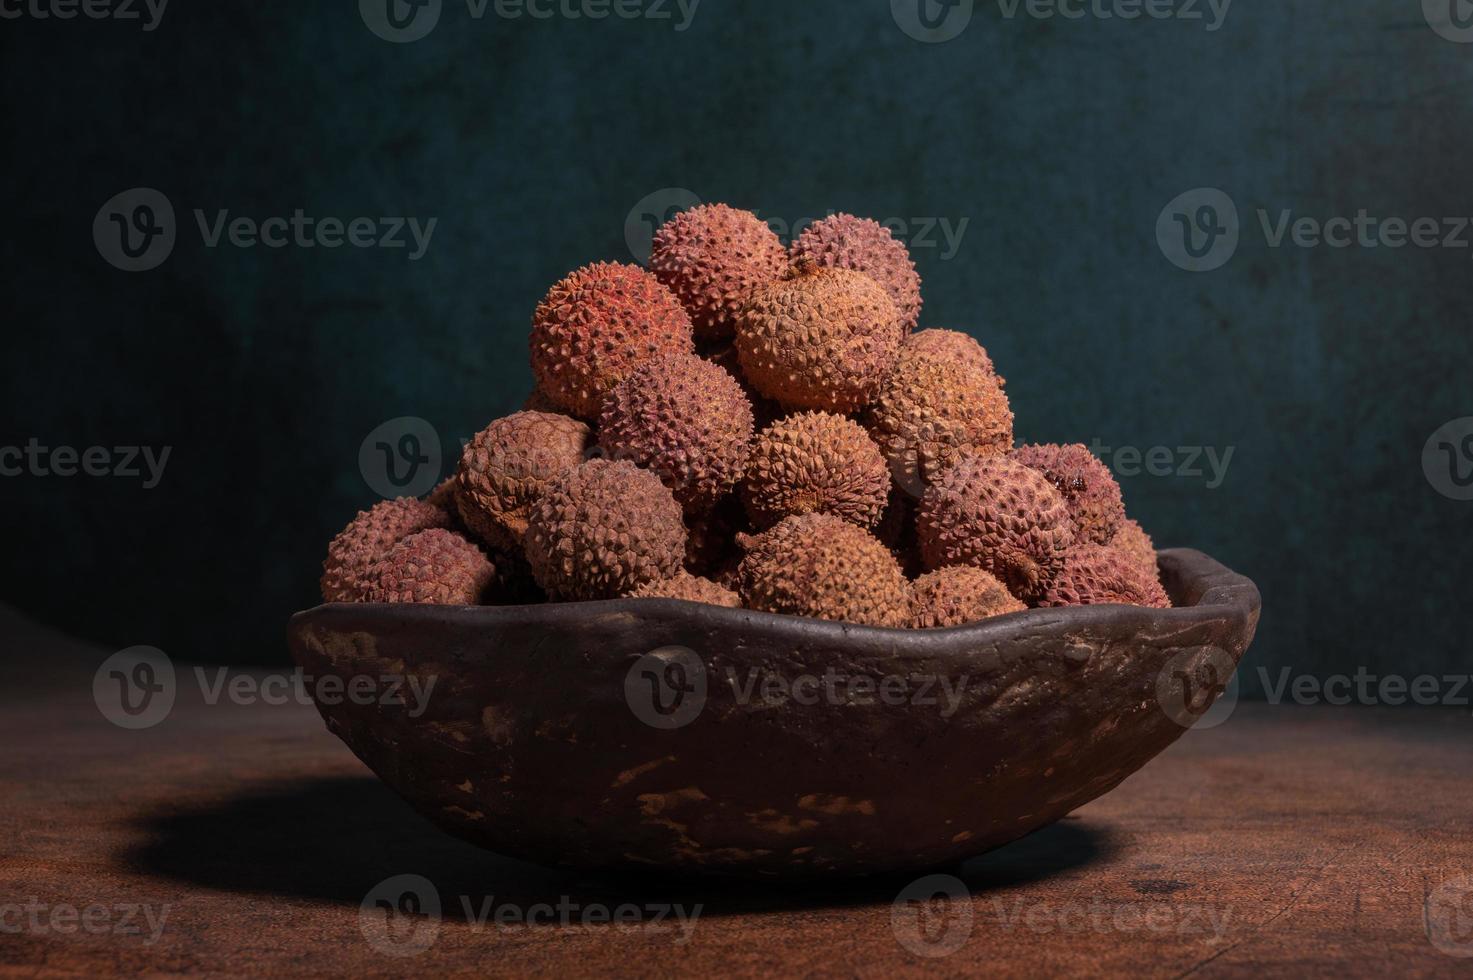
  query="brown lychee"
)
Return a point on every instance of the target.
[
  {"x": 824, "y": 567},
  {"x": 822, "y": 339},
  {"x": 691, "y": 588},
  {"x": 1132, "y": 540},
  {"x": 995, "y": 514},
  {"x": 368, "y": 538},
  {"x": 604, "y": 529},
  {"x": 959, "y": 594},
  {"x": 952, "y": 345},
  {"x": 1088, "y": 487},
  {"x": 437, "y": 566},
  {"x": 711, "y": 257},
  {"x": 596, "y": 326},
  {"x": 843, "y": 241},
  {"x": 815, "y": 463},
  {"x": 1094, "y": 574},
  {"x": 506, "y": 468}
]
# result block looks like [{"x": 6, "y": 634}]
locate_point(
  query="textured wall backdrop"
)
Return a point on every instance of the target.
[{"x": 1027, "y": 159}]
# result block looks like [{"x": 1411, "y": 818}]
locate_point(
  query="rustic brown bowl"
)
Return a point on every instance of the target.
[{"x": 624, "y": 733}]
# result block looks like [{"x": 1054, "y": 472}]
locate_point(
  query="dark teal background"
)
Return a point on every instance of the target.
[{"x": 1058, "y": 142}]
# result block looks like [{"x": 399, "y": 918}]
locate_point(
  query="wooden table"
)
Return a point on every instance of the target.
[{"x": 244, "y": 839}]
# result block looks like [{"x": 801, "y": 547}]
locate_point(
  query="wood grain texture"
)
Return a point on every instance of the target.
[{"x": 1286, "y": 841}]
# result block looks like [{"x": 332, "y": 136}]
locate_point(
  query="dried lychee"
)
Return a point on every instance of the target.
[
  {"x": 821, "y": 566},
  {"x": 959, "y": 594},
  {"x": 951, "y": 345},
  {"x": 842, "y": 241},
  {"x": 596, "y": 326},
  {"x": 712, "y": 257},
  {"x": 998, "y": 515},
  {"x": 508, "y": 465},
  {"x": 1088, "y": 486},
  {"x": 691, "y": 588},
  {"x": 436, "y": 566},
  {"x": 1132, "y": 540},
  {"x": 934, "y": 410},
  {"x": 824, "y": 339},
  {"x": 685, "y": 419},
  {"x": 367, "y": 538},
  {"x": 815, "y": 463},
  {"x": 1094, "y": 574},
  {"x": 604, "y": 529}
]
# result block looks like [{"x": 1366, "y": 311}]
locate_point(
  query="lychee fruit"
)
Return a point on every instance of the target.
[
  {"x": 1132, "y": 540},
  {"x": 691, "y": 588},
  {"x": 821, "y": 339},
  {"x": 959, "y": 594},
  {"x": 712, "y": 257},
  {"x": 596, "y": 326},
  {"x": 823, "y": 567},
  {"x": 437, "y": 566},
  {"x": 604, "y": 529},
  {"x": 815, "y": 463},
  {"x": 507, "y": 467},
  {"x": 685, "y": 419},
  {"x": 843, "y": 241},
  {"x": 1094, "y": 574},
  {"x": 998, "y": 515},
  {"x": 1088, "y": 486},
  {"x": 952, "y": 345},
  {"x": 368, "y": 538}
]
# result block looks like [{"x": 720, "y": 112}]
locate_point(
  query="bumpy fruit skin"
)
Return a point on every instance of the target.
[
  {"x": 842, "y": 241},
  {"x": 933, "y": 411},
  {"x": 1094, "y": 574},
  {"x": 437, "y": 567},
  {"x": 691, "y": 588},
  {"x": 959, "y": 594},
  {"x": 998, "y": 515},
  {"x": 815, "y": 463},
  {"x": 822, "y": 339},
  {"x": 712, "y": 257},
  {"x": 1088, "y": 487},
  {"x": 603, "y": 530},
  {"x": 1132, "y": 540},
  {"x": 685, "y": 419},
  {"x": 952, "y": 345},
  {"x": 823, "y": 567},
  {"x": 507, "y": 467},
  {"x": 368, "y": 538},
  {"x": 596, "y": 326}
]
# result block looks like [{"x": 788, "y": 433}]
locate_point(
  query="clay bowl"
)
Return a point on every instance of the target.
[{"x": 655, "y": 733}]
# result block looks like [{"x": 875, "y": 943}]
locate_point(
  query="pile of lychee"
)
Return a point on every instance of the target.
[{"x": 751, "y": 425}]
